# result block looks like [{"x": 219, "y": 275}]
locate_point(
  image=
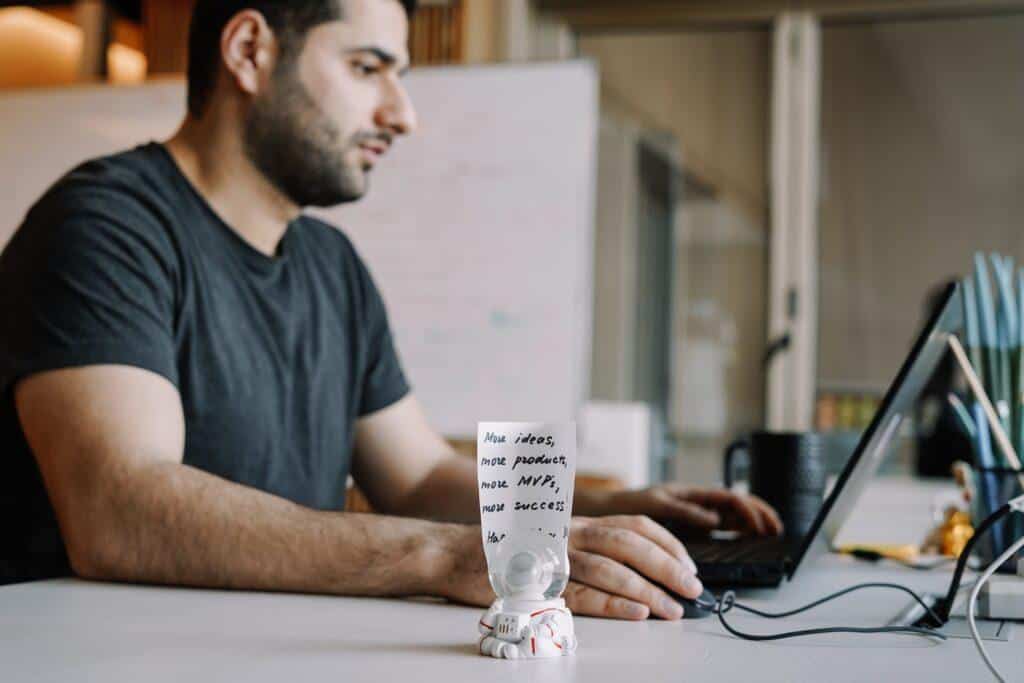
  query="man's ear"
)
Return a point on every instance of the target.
[{"x": 249, "y": 50}]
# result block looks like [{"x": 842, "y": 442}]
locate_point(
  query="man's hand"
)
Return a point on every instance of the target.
[
  {"x": 694, "y": 509},
  {"x": 619, "y": 565},
  {"x": 616, "y": 564}
]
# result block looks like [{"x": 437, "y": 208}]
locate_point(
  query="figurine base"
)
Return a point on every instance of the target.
[{"x": 527, "y": 629}]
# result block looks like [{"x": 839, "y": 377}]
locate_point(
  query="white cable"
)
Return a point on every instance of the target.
[{"x": 972, "y": 602}]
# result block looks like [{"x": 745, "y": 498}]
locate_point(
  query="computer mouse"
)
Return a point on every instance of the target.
[{"x": 702, "y": 606}]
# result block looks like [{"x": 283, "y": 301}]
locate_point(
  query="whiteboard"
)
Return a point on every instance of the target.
[{"x": 478, "y": 229}]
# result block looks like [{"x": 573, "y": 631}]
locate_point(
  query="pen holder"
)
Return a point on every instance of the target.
[{"x": 995, "y": 486}]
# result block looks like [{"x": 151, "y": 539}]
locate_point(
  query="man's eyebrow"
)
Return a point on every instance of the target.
[{"x": 381, "y": 54}]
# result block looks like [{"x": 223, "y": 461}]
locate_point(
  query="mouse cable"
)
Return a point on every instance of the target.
[
  {"x": 937, "y": 617},
  {"x": 728, "y": 602},
  {"x": 833, "y": 596}
]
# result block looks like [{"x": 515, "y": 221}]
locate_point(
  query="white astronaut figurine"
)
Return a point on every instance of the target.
[{"x": 523, "y": 624}]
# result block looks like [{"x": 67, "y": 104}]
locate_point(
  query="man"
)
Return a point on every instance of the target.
[{"x": 191, "y": 367}]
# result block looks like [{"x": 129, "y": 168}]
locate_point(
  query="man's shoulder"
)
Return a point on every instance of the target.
[
  {"x": 114, "y": 199},
  {"x": 130, "y": 177},
  {"x": 129, "y": 187}
]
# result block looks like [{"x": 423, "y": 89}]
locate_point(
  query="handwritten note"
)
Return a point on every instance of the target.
[{"x": 525, "y": 473}]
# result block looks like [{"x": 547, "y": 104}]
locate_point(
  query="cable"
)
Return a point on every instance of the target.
[
  {"x": 945, "y": 606},
  {"x": 972, "y": 603},
  {"x": 728, "y": 601},
  {"x": 939, "y": 616},
  {"x": 833, "y": 596}
]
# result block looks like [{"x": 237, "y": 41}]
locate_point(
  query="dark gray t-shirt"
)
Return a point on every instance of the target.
[{"x": 122, "y": 261}]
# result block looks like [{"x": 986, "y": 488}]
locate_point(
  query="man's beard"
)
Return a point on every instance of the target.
[{"x": 298, "y": 149}]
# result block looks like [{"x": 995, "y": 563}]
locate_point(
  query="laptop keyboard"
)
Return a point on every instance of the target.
[{"x": 765, "y": 549}]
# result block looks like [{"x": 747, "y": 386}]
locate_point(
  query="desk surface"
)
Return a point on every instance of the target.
[{"x": 82, "y": 631}]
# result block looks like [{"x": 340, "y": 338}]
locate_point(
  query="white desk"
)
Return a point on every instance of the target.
[{"x": 71, "y": 630}]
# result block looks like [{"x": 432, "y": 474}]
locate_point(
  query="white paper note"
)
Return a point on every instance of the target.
[{"x": 525, "y": 473}]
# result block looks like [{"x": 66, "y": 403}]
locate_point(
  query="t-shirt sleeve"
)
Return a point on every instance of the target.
[
  {"x": 86, "y": 281},
  {"x": 384, "y": 381}
]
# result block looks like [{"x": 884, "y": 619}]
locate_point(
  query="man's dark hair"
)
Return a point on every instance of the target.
[{"x": 289, "y": 19}]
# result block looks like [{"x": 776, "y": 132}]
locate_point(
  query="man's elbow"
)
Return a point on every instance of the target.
[
  {"x": 95, "y": 550},
  {"x": 108, "y": 520},
  {"x": 86, "y": 565}
]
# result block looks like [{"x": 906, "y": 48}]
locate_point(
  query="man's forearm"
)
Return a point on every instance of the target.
[
  {"x": 589, "y": 503},
  {"x": 173, "y": 524},
  {"x": 448, "y": 493}
]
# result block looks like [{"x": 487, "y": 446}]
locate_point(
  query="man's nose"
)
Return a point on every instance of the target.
[{"x": 396, "y": 112}]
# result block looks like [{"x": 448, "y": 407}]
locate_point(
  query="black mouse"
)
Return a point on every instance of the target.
[{"x": 702, "y": 606}]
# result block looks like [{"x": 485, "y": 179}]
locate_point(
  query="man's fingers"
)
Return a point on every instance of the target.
[
  {"x": 694, "y": 514},
  {"x": 742, "y": 506},
  {"x": 614, "y": 578},
  {"x": 645, "y": 526},
  {"x": 640, "y": 553},
  {"x": 592, "y": 602},
  {"x": 750, "y": 514},
  {"x": 769, "y": 514}
]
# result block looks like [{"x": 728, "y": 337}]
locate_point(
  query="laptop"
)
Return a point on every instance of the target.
[{"x": 766, "y": 562}]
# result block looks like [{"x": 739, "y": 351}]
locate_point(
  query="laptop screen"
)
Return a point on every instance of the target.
[{"x": 925, "y": 355}]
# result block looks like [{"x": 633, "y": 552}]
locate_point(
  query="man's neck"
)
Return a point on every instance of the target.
[{"x": 214, "y": 161}]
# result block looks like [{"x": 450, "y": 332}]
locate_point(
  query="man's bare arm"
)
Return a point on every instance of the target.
[
  {"x": 109, "y": 441},
  {"x": 406, "y": 468}
]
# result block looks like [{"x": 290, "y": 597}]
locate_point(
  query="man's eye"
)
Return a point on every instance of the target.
[{"x": 365, "y": 69}]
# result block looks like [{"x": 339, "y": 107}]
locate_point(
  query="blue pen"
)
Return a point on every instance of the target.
[
  {"x": 988, "y": 482},
  {"x": 1006, "y": 335},
  {"x": 1018, "y": 399},
  {"x": 964, "y": 417},
  {"x": 1003, "y": 269},
  {"x": 987, "y": 329},
  {"x": 972, "y": 332}
]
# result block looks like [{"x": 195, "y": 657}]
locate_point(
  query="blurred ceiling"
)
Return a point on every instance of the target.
[
  {"x": 39, "y": 49},
  {"x": 129, "y": 9},
  {"x": 612, "y": 15}
]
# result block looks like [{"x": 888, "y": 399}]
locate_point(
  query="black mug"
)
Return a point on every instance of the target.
[{"x": 787, "y": 470}]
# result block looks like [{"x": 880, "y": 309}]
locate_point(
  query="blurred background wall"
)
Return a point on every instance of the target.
[{"x": 922, "y": 166}]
